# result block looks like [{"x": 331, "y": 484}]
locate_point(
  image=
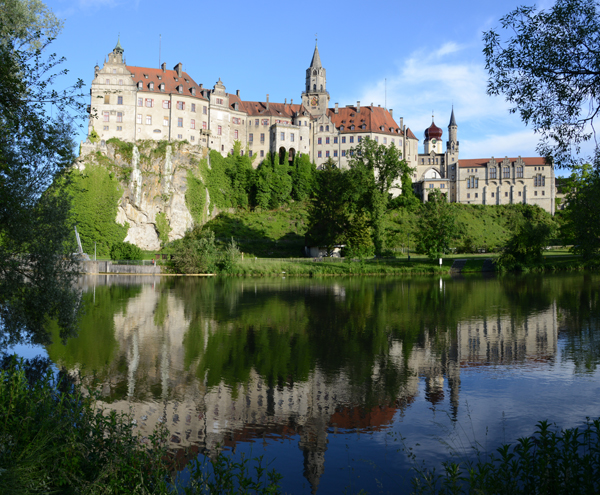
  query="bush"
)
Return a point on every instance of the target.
[
  {"x": 196, "y": 253},
  {"x": 125, "y": 251}
]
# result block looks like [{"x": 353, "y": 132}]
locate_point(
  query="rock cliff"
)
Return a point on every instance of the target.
[{"x": 154, "y": 178}]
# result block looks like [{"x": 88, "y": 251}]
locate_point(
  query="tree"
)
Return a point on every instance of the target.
[
  {"x": 303, "y": 178},
  {"x": 329, "y": 213},
  {"x": 530, "y": 238},
  {"x": 374, "y": 170},
  {"x": 437, "y": 226},
  {"x": 549, "y": 69},
  {"x": 36, "y": 270},
  {"x": 583, "y": 207}
]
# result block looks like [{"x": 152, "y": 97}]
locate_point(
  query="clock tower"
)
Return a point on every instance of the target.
[{"x": 315, "y": 97}]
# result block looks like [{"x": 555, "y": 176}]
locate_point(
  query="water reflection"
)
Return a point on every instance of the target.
[{"x": 227, "y": 361}]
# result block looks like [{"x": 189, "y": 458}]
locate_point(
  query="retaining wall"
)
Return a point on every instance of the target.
[{"x": 91, "y": 267}]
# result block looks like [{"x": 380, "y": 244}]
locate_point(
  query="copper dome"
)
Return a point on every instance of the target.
[{"x": 433, "y": 132}]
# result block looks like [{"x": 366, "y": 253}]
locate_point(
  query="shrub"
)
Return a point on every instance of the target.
[{"x": 125, "y": 251}]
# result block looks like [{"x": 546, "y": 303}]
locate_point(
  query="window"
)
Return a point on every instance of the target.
[
  {"x": 119, "y": 100},
  {"x": 192, "y": 124},
  {"x": 535, "y": 192},
  {"x": 166, "y": 104},
  {"x": 265, "y": 121},
  {"x": 192, "y": 138},
  {"x": 493, "y": 173},
  {"x": 326, "y": 140},
  {"x": 139, "y": 118},
  {"x": 443, "y": 186},
  {"x": 359, "y": 139},
  {"x": 262, "y": 153},
  {"x": 119, "y": 116},
  {"x": 250, "y": 153},
  {"x": 327, "y": 154},
  {"x": 343, "y": 152},
  {"x": 236, "y": 120},
  {"x": 251, "y": 137},
  {"x": 351, "y": 139},
  {"x": 119, "y": 128},
  {"x": 319, "y": 154},
  {"x": 149, "y": 102},
  {"x": 343, "y": 139},
  {"x": 107, "y": 81},
  {"x": 476, "y": 195},
  {"x": 493, "y": 194},
  {"x": 292, "y": 136},
  {"x": 335, "y": 140},
  {"x": 384, "y": 140},
  {"x": 106, "y": 128},
  {"x": 520, "y": 172},
  {"x": 468, "y": 195},
  {"x": 166, "y": 121},
  {"x": 204, "y": 110},
  {"x": 235, "y": 134},
  {"x": 335, "y": 153},
  {"x": 120, "y": 82},
  {"x": 431, "y": 187},
  {"x": 219, "y": 101},
  {"x": 161, "y": 86},
  {"x": 351, "y": 127},
  {"x": 376, "y": 139},
  {"x": 180, "y": 89},
  {"x": 180, "y": 105},
  {"x": 321, "y": 128},
  {"x": 105, "y": 116},
  {"x": 193, "y": 107},
  {"x": 107, "y": 99},
  {"x": 219, "y": 131},
  {"x": 179, "y": 122},
  {"x": 472, "y": 182},
  {"x": 151, "y": 86},
  {"x": 204, "y": 124},
  {"x": 506, "y": 173},
  {"x": 319, "y": 141},
  {"x": 148, "y": 119},
  {"x": 282, "y": 136},
  {"x": 255, "y": 121},
  {"x": 262, "y": 137},
  {"x": 140, "y": 102},
  {"x": 506, "y": 194},
  {"x": 179, "y": 136}
]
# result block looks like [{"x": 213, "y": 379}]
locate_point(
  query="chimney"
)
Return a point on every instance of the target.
[
  {"x": 164, "y": 66},
  {"x": 336, "y": 108},
  {"x": 267, "y": 101},
  {"x": 291, "y": 101},
  {"x": 285, "y": 101},
  {"x": 392, "y": 112},
  {"x": 401, "y": 123},
  {"x": 358, "y": 107},
  {"x": 237, "y": 92},
  {"x": 177, "y": 68}
]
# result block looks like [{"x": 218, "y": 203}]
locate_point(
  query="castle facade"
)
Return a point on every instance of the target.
[{"x": 133, "y": 103}]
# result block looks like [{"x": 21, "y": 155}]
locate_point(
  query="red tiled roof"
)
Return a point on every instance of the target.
[
  {"x": 409, "y": 134},
  {"x": 170, "y": 79},
  {"x": 373, "y": 118},
  {"x": 482, "y": 162},
  {"x": 259, "y": 108}
]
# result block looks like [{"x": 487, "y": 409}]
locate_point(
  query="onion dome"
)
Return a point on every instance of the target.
[{"x": 433, "y": 132}]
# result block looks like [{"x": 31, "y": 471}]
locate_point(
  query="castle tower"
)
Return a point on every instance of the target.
[
  {"x": 452, "y": 149},
  {"x": 116, "y": 56},
  {"x": 433, "y": 135},
  {"x": 315, "y": 96}
]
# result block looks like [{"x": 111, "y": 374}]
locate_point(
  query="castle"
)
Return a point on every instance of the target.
[{"x": 137, "y": 103}]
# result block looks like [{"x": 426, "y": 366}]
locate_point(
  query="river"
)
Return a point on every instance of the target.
[{"x": 342, "y": 384}]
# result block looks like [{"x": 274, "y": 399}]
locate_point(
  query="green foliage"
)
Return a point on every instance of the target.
[
  {"x": 123, "y": 148},
  {"x": 196, "y": 252},
  {"x": 35, "y": 150},
  {"x": 547, "y": 70},
  {"x": 374, "y": 169},
  {"x": 564, "y": 462},
  {"x": 264, "y": 175},
  {"x": 230, "y": 256},
  {"x": 96, "y": 193},
  {"x": 125, "y": 251},
  {"x": 581, "y": 225},
  {"x": 93, "y": 137},
  {"x": 329, "y": 215},
  {"x": 195, "y": 197},
  {"x": 437, "y": 226},
  {"x": 303, "y": 178},
  {"x": 163, "y": 227},
  {"x": 530, "y": 238},
  {"x": 359, "y": 242}
]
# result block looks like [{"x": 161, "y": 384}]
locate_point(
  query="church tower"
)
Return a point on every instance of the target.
[
  {"x": 315, "y": 97},
  {"x": 452, "y": 148}
]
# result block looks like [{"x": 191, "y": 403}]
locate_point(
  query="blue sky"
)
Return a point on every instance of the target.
[{"x": 414, "y": 57}]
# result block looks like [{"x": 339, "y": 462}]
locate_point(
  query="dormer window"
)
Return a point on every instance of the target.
[
  {"x": 162, "y": 87},
  {"x": 176, "y": 79},
  {"x": 159, "y": 77},
  {"x": 193, "y": 91},
  {"x": 363, "y": 126},
  {"x": 382, "y": 128},
  {"x": 180, "y": 89},
  {"x": 352, "y": 115},
  {"x": 140, "y": 85},
  {"x": 151, "y": 86},
  {"x": 146, "y": 76},
  {"x": 351, "y": 127},
  {"x": 341, "y": 128}
]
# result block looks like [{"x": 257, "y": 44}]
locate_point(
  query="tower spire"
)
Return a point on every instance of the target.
[
  {"x": 452, "y": 119},
  {"x": 316, "y": 59}
]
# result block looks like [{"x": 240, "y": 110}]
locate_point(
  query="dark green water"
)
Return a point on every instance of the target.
[{"x": 333, "y": 378}]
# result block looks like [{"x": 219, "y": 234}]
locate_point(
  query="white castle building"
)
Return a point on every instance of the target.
[{"x": 140, "y": 103}]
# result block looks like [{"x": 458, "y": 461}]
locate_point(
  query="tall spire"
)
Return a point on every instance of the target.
[
  {"x": 452, "y": 119},
  {"x": 118, "y": 48},
  {"x": 316, "y": 60}
]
